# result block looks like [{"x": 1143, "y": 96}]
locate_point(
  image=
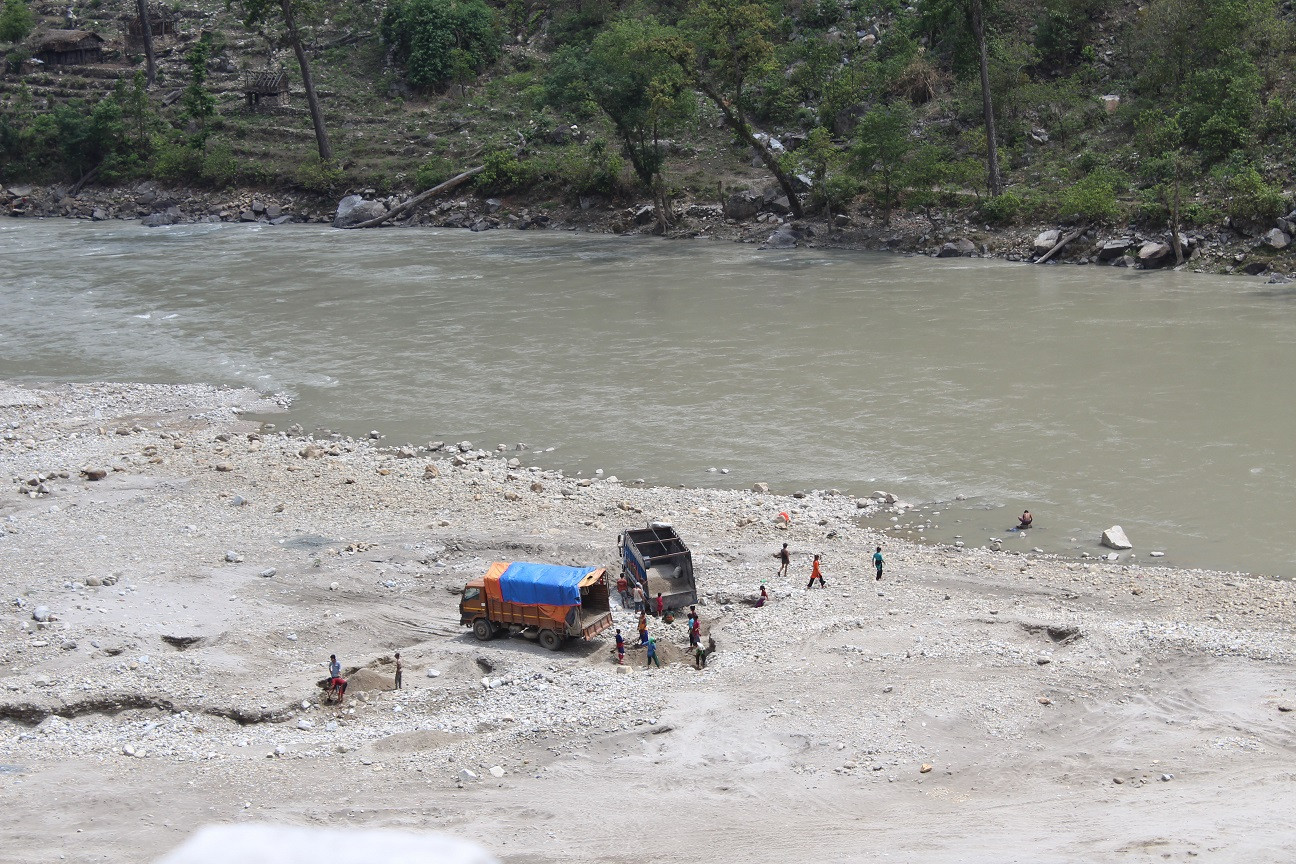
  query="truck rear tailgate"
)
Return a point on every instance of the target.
[{"x": 592, "y": 625}]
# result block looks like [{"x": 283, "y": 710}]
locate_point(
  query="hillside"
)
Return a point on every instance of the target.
[{"x": 1111, "y": 116}]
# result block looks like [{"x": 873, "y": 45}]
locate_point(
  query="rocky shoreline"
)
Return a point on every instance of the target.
[
  {"x": 745, "y": 217},
  {"x": 176, "y": 576}
]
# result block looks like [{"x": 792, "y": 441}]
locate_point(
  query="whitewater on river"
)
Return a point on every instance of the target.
[{"x": 1092, "y": 396}]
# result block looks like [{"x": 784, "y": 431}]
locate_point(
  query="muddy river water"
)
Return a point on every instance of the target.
[{"x": 1094, "y": 396}]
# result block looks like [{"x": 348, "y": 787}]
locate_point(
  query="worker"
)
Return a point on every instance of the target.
[
  {"x": 652, "y": 654},
  {"x": 335, "y": 668},
  {"x": 638, "y": 598},
  {"x": 815, "y": 574},
  {"x": 699, "y": 656},
  {"x": 620, "y": 648},
  {"x": 661, "y": 606},
  {"x": 623, "y": 588},
  {"x": 785, "y": 557},
  {"x": 399, "y": 667},
  {"x": 763, "y": 598},
  {"x": 643, "y": 628},
  {"x": 877, "y": 562}
]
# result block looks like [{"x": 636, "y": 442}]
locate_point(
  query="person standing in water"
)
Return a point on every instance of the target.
[{"x": 877, "y": 562}]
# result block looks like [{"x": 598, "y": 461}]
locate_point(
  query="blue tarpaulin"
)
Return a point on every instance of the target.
[{"x": 543, "y": 584}]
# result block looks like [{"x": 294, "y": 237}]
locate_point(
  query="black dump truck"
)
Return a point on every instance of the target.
[{"x": 657, "y": 558}]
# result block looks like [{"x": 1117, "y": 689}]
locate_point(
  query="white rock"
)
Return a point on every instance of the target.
[
  {"x": 268, "y": 572},
  {"x": 305, "y": 724},
  {"x": 465, "y": 774},
  {"x": 233, "y": 557},
  {"x": 1157, "y": 554},
  {"x": 497, "y": 772},
  {"x": 434, "y": 673},
  {"x": 1114, "y": 538}
]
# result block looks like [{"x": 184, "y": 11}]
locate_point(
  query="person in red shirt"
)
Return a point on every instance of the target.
[
  {"x": 815, "y": 574},
  {"x": 661, "y": 606},
  {"x": 623, "y": 588}
]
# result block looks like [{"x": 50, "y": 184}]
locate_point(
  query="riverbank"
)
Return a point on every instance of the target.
[
  {"x": 970, "y": 701},
  {"x": 744, "y": 217}
]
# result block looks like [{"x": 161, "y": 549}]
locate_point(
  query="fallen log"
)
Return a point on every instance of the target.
[
  {"x": 1061, "y": 243},
  {"x": 420, "y": 198}
]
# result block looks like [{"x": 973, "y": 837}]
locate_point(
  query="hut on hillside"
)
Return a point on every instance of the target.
[
  {"x": 267, "y": 84},
  {"x": 67, "y": 47},
  {"x": 163, "y": 22}
]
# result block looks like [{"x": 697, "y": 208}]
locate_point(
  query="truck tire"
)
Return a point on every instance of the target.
[
  {"x": 483, "y": 630},
  {"x": 551, "y": 640}
]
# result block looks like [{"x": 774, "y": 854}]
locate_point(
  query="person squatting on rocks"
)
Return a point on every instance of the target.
[
  {"x": 652, "y": 654},
  {"x": 877, "y": 562},
  {"x": 816, "y": 574},
  {"x": 399, "y": 667},
  {"x": 763, "y": 598},
  {"x": 785, "y": 557}
]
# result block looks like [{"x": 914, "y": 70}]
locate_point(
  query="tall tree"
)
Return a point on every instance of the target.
[
  {"x": 257, "y": 13},
  {"x": 726, "y": 51},
  {"x": 882, "y": 142},
  {"x": 146, "y": 33},
  {"x": 628, "y": 76},
  {"x": 976, "y": 19}
]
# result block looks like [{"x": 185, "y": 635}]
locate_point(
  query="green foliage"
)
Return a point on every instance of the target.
[
  {"x": 198, "y": 103},
  {"x": 593, "y": 169},
  {"x": 318, "y": 177},
  {"x": 1003, "y": 209},
  {"x": 1092, "y": 198},
  {"x": 437, "y": 40},
  {"x": 832, "y": 187},
  {"x": 218, "y": 167},
  {"x": 434, "y": 171},
  {"x": 1063, "y": 28},
  {"x": 16, "y": 21},
  {"x": 628, "y": 75},
  {"x": 504, "y": 173},
  {"x": 1252, "y": 201},
  {"x": 881, "y": 144}
]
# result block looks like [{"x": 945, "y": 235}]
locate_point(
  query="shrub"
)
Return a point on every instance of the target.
[
  {"x": 437, "y": 40},
  {"x": 319, "y": 178},
  {"x": 219, "y": 166},
  {"x": 1002, "y": 209},
  {"x": 504, "y": 172},
  {"x": 1254, "y": 202},
  {"x": 1093, "y": 198},
  {"x": 435, "y": 170}
]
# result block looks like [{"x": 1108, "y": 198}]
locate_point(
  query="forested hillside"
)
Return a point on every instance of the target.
[{"x": 1086, "y": 112}]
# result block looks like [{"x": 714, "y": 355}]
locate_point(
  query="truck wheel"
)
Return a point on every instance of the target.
[
  {"x": 550, "y": 640},
  {"x": 482, "y": 629}
]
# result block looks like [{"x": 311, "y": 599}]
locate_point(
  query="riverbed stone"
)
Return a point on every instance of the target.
[
  {"x": 1045, "y": 241},
  {"x": 353, "y": 209},
  {"x": 960, "y": 248},
  {"x": 1154, "y": 254},
  {"x": 1114, "y": 538},
  {"x": 1114, "y": 248},
  {"x": 742, "y": 205},
  {"x": 1277, "y": 239}
]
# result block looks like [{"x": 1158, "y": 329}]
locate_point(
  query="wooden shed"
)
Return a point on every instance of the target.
[
  {"x": 67, "y": 47},
  {"x": 267, "y": 84}
]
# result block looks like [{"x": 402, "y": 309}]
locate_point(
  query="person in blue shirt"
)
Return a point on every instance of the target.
[
  {"x": 335, "y": 668},
  {"x": 620, "y": 647},
  {"x": 652, "y": 654},
  {"x": 877, "y": 562}
]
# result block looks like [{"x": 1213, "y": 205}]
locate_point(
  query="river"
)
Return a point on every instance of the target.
[{"x": 1094, "y": 396}]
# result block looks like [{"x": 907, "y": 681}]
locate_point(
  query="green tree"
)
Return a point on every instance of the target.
[
  {"x": 16, "y": 21},
  {"x": 1161, "y": 141},
  {"x": 726, "y": 50},
  {"x": 256, "y": 14},
  {"x": 627, "y": 75},
  {"x": 882, "y": 142},
  {"x": 197, "y": 100},
  {"x": 434, "y": 39}
]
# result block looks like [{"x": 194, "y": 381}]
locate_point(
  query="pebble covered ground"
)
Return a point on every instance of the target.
[{"x": 175, "y": 578}]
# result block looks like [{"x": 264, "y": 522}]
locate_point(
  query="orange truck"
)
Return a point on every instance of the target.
[{"x": 551, "y": 601}]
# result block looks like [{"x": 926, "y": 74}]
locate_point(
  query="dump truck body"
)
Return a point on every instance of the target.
[
  {"x": 658, "y": 557},
  {"x": 555, "y": 602}
]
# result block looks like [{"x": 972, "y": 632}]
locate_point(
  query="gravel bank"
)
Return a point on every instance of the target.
[{"x": 164, "y": 627}]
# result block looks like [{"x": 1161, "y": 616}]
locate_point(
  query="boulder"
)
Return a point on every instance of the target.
[
  {"x": 1045, "y": 242},
  {"x": 1114, "y": 538},
  {"x": 960, "y": 248},
  {"x": 645, "y": 215},
  {"x": 742, "y": 205},
  {"x": 157, "y": 220},
  {"x": 272, "y": 211},
  {"x": 353, "y": 209},
  {"x": 1153, "y": 254},
  {"x": 783, "y": 238},
  {"x": 760, "y": 488},
  {"x": 1114, "y": 248},
  {"x": 1277, "y": 239}
]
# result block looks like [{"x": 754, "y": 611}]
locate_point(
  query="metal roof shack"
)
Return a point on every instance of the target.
[
  {"x": 269, "y": 85},
  {"x": 67, "y": 47}
]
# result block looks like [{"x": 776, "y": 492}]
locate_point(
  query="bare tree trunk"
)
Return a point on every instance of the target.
[
  {"x": 146, "y": 31},
  {"x": 317, "y": 117},
  {"x": 1174, "y": 219},
  {"x": 993, "y": 183},
  {"x": 738, "y": 123},
  {"x": 421, "y": 197}
]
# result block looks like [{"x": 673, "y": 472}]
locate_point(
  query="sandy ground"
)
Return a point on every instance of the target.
[{"x": 1063, "y": 711}]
